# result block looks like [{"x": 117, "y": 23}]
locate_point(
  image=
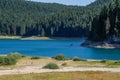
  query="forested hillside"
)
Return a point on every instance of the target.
[
  {"x": 106, "y": 26},
  {"x": 26, "y": 18}
]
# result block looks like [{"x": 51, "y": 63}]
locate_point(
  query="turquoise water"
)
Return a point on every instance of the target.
[{"x": 49, "y": 48}]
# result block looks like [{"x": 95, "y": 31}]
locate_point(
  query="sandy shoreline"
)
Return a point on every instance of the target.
[
  {"x": 38, "y": 38},
  {"x": 38, "y": 69}
]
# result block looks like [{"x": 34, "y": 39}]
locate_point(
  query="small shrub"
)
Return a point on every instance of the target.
[
  {"x": 15, "y": 55},
  {"x": 51, "y": 66},
  {"x": 64, "y": 64},
  {"x": 103, "y": 61},
  {"x": 117, "y": 62},
  {"x": 78, "y": 59},
  {"x": 60, "y": 57},
  {"x": 35, "y": 57},
  {"x": 9, "y": 61},
  {"x": 1, "y": 60},
  {"x": 23, "y": 56}
]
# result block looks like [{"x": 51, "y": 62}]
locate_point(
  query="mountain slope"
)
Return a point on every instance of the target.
[{"x": 26, "y": 18}]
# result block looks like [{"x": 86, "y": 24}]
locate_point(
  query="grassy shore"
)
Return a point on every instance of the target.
[
  {"x": 49, "y": 38},
  {"x": 30, "y": 68},
  {"x": 27, "y": 61},
  {"x": 64, "y": 76},
  {"x": 10, "y": 37},
  {"x": 37, "y": 38}
]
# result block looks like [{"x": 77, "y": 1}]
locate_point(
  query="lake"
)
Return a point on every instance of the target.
[{"x": 49, "y": 48}]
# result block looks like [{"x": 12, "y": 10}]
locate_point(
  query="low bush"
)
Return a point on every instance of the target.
[
  {"x": 78, "y": 59},
  {"x": 60, "y": 57},
  {"x": 117, "y": 62},
  {"x": 23, "y": 56},
  {"x": 51, "y": 66},
  {"x": 15, "y": 55},
  {"x": 7, "y": 61},
  {"x": 1, "y": 60},
  {"x": 35, "y": 57},
  {"x": 103, "y": 61},
  {"x": 64, "y": 64},
  {"x": 10, "y": 59}
]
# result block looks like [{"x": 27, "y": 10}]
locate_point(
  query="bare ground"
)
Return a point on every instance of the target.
[
  {"x": 38, "y": 69},
  {"x": 25, "y": 66}
]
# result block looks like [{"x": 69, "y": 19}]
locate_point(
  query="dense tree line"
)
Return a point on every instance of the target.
[
  {"x": 27, "y": 18},
  {"x": 106, "y": 26}
]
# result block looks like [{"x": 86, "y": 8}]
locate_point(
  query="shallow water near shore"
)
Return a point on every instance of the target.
[{"x": 49, "y": 48}]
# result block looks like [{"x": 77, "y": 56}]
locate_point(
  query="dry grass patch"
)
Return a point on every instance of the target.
[
  {"x": 65, "y": 76},
  {"x": 27, "y": 61}
]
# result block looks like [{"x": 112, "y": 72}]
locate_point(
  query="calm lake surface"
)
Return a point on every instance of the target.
[{"x": 49, "y": 48}]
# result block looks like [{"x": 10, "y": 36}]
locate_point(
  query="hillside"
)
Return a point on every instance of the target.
[
  {"x": 106, "y": 26},
  {"x": 26, "y": 18}
]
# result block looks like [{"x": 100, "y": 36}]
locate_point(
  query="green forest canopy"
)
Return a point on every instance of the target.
[
  {"x": 26, "y": 18},
  {"x": 106, "y": 26}
]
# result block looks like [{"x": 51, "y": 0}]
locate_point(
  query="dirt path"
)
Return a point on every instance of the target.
[{"x": 38, "y": 69}]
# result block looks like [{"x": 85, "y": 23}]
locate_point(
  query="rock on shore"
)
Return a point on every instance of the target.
[{"x": 104, "y": 44}]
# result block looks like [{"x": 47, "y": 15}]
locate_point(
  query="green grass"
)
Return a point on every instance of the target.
[
  {"x": 112, "y": 63},
  {"x": 65, "y": 76}
]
